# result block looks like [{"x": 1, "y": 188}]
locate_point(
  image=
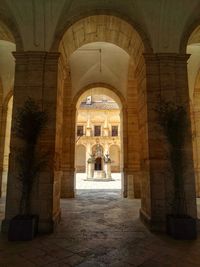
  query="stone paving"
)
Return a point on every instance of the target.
[
  {"x": 82, "y": 184},
  {"x": 99, "y": 228}
]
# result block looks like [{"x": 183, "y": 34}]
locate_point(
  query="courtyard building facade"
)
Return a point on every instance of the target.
[{"x": 98, "y": 132}]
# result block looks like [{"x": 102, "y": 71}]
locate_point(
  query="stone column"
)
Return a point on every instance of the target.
[
  {"x": 88, "y": 131},
  {"x": 2, "y": 129},
  {"x": 107, "y": 169},
  {"x": 90, "y": 170},
  {"x": 105, "y": 128},
  {"x": 36, "y": 77},
  {"x": 88, "y": 153},
  {"x": 195, "y": 117},
  {"x": 133, "y": 172},
  {"x": 6, "y": 141},
  {"x": 166, "y": 80},
  {"x": 68, "y": 133},
  {"x": 88, "y": 125},
  {"x": 3, "y": 117}
]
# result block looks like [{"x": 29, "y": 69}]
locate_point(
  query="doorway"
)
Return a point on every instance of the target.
[{"x": 98, "y": 164}]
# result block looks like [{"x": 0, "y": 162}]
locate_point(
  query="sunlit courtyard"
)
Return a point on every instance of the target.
[{"x": 82, "y": 183}]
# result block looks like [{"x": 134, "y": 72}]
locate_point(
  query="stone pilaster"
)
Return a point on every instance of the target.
[
  {"x": 36, "y": 77},
  {"x": 3, "y": 115},
  {"x": 133, "y": 172},
  {"x": 166, "y": 80},
  {"x": 195, "y": 117},
  {"x": 68, "y": 133}
]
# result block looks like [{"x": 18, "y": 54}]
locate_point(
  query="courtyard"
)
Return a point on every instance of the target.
[{"x": 115, "y": 184}]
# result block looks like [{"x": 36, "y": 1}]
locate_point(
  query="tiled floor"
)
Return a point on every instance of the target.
[{"x": 98, "y": 228}]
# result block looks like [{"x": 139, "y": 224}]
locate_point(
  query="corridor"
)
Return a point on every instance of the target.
[{"x": 99, "y": 228}]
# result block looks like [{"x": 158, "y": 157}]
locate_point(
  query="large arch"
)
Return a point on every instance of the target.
[
  {"x": 191, "y": 34},
  {"x": 61, "y": 139},
  {"x": 106, "y": 89},
  {"x": 114, "y": 94},
  {"x": 63, "y": 25},
  {"x": 103, "y": 28},
  {"x": 9, "y": 30},
  {"x": 109, "y": 29}
]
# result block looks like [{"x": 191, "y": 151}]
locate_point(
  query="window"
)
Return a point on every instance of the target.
[
  {"x": 79, "y": 130},
  {"x": 114, "y": 130},
  {"x": 97, "y": 130}
]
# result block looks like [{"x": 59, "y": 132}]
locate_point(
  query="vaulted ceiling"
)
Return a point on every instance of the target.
[{"x": 99, "y": 62}]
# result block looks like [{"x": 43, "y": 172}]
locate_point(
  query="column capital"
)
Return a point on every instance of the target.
[
  {"x": 35, "y": 56},
  {"x": 166, "y": 57}
]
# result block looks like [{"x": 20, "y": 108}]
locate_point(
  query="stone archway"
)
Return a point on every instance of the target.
[
  {"x": 142, "y": 150},
  {"x": 114, "y": 94},
  {"x": 130, "y": 41},
  {"x": 9, "y": 31},
  {"x": 112, "y": 30},
  {"x": 98, "y": 164},
  {"x": 151, "y": 79}
]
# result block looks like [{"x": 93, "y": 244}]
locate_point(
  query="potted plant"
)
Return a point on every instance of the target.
[
  {"x": 174, "y": 122},
  {"x": 29, "y": 123}
]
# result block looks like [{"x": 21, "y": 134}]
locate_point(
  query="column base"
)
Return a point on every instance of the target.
[
  {"x": 134, "y": 184},
  {"x": 44, "y": 227},
  {"x": 152, "y": 225},
  {"x": 124, "y": 193},
  {"x": 67, "y": 184},
  {"x": 68, "y": 194}
]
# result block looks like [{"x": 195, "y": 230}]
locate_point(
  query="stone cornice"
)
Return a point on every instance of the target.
[
  {"x": 166, "y": 57},
  {"x": 36, "y": 56}
]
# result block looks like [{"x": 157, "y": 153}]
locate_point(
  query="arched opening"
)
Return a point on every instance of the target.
[
  {"x": 7, "y": 66},
  {"x": 98, "y": 165},
  {"x": 98, "y": 151},
  {"x": 193, "y": 48},
  {"x": 105, "y": 52},
  {"x": 99, "y": 125}
]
